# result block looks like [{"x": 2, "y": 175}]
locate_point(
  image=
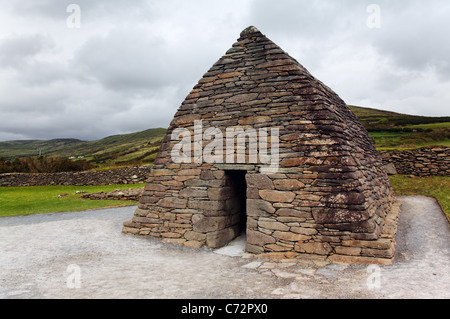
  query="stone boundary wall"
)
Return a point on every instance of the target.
[
  {"x": 420, "y": 162},
  {"x": 127, "y": 175},
  {"x": 429, "y": 161}
]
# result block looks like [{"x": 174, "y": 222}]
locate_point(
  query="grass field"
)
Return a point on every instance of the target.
[
  {"x": 410, "y": 140},
  {"x": 431, "y": 126},
  {"x": 436, "y": 186},
  {"x": 44, "y": 199}
]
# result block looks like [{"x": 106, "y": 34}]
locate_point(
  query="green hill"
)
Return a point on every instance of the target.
[
  {"x": 375, "y": 119},
  {"x": 117, "y": 150},
  {"x": 12, "y": 149},
  {"x": 389, "y": 130}
]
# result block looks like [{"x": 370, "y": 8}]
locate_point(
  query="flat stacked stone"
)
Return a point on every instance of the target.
[
  {"x": 330, "y": 195},
  {"x": 426, "y": 161}
]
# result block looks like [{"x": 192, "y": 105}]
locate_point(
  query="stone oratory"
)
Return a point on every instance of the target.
[{"x": 298, "y": 174}]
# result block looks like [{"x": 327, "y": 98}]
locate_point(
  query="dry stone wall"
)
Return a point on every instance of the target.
[
  {"x": 330, "y": 197},
  {"x": 128, "y": 175},
  {"x": 430, "y": 161}
]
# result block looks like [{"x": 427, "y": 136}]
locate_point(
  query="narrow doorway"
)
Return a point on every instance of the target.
[{"x": 238, "y": 184}]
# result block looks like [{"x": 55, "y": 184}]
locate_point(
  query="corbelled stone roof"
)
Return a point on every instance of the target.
[{"x": 257, "y": 83}]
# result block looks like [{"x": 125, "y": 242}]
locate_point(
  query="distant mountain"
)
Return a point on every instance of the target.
[
  {"x": 22, "y": 148},
  {"x": 125, "y": 149},
  {"x": 375, "y": 119},
  {"x": 388, "y": 129}
]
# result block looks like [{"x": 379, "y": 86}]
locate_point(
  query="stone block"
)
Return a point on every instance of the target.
[
  {"x": 368, "y": 227},
  {"x": 195, "y": 236},
  {"x": 259, "y": 181},
  {"x": 258, "y": 238},
  {"x": 130, "y": 230},
  {"x": 189, "y": 172},
  {"x": 304, "y": 231},
  {"x": 162, "y": 172},
  {"x": 186, "y": 119},
  {"x": 390, "y": 169},
  {"x": 172, "y": 202},
  {"x": 313, "y": 248},
  {"x": 205, "y": 224},
  {"x": 335, "y": 216},
  {"x": 290, "y": 212},
  {"x": 167, "y": 216},
  {"x": 155, "y": 187},
  {"x": 379, "y": 253},
  {"x": 145, "y": 199},
  {"x": 241, "y": 98},
  {"x": 288, "y": 184},
  {"x": 277, "y": 196},
  {"x": 289, "y": 236},
  {"x": 259, "y": 208},
  {"x": 170, "y": 235},
  {"x": 253, "y": 120},
  {"x": 207, "y": 204},
  {"x": 275, "y": 247},
  {"x": 141, "y": 212},
  {"x": 252, "y": 193},
  {"x": 193, "y": 192},
  {"x": 350, "y": 198},
  {"x": 272, "y": 225},
  {"x": 204, "y": 183},
  {"x": 185, "y": 211},
  {"x": 145, "y": 220},
  {"x": 381, "y": 243},
  {"x": 254, "y": 249},
  {"x": 222, "y": 237},
  {"x": 352, "y": 251}
]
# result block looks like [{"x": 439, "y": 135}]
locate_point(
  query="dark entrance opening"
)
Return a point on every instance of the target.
[{"x": 238, "y": 184}]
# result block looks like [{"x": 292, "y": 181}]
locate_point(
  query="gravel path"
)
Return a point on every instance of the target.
[{"x": 85, "y": 255}]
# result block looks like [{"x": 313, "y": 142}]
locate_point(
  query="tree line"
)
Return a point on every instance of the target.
[{"x": 43, "y": 164}]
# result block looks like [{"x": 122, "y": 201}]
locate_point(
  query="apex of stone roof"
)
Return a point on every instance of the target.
[{"x": 250, "y": 31}]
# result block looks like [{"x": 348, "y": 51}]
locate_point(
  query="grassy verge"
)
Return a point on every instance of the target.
[
  {"x": 410, "y": 140},
  {"x": 44, "y": 199},
  {"x": 436, "y": 186}
]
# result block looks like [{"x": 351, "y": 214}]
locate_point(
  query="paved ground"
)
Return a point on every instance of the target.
[{"x": 85, "y": 255}]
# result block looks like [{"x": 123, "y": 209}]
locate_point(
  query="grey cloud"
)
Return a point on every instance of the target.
[
  {"x": 136, "y": 60},
  {"x": 91, "y": 10},
  {"x": 308, "y": 19},
  {"x": 131, "y": 65},
  {"x": 125, "y": 60},
  {"x": 18, "y": 51},
  {"x": 415, "y": 36}
]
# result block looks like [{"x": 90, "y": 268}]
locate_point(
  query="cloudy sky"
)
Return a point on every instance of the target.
[{"x": 124, "y": 66}]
